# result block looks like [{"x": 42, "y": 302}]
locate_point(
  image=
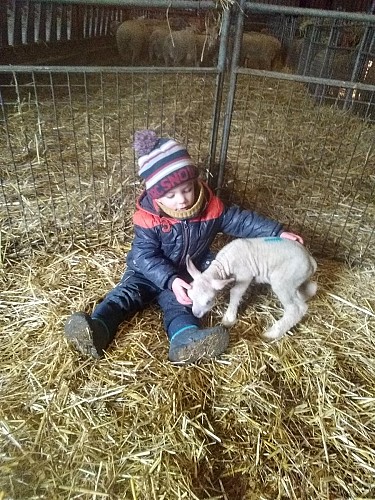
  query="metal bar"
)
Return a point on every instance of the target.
[
  {"x": 59, "y": 145},
  {"x": 219, "y": 88},
  {"x": 327, "y": 61},
  {"x": 162, "y": 4},
  {"x": 235, "y": 55},
  {"x": 360, "y": 60},
  {"x": 150, "y": 69},
  {"x": 334, "y": 14},
  {"x": 344, "y": 185},
  {"x": 90, "y": 162},
  {"x": 77, "y": 158},
  {"x": 106, "y": 69},
  {"x": 305, "y": 79}
]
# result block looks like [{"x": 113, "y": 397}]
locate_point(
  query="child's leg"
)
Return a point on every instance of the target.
[
  {"x": 92, "y": 334},
  {"x": 132, "y": 294},
  {"x": 189, "y": 342}
]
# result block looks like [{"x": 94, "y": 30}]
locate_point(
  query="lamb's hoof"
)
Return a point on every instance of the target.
[
  {"x": 228, "y": 322},
  {"x": 272, "y": 334}
]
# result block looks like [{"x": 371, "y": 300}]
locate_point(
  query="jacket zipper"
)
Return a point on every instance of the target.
[{"x": 185, "y": 239}]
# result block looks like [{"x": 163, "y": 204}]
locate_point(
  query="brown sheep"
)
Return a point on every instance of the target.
[{"x": 261, "y": 51}]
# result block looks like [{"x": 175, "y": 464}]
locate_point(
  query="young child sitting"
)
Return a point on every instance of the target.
[{"x": 176, "y": 215}]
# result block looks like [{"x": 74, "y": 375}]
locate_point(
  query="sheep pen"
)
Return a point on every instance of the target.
[{"x": 292, "y": 419}]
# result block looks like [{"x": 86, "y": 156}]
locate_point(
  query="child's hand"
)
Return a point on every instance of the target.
[
  {"x": 179, "y": 288},
  {"x": 291, "y": 236}
]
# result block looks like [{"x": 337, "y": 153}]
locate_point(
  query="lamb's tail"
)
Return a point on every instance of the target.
[{"x": 307, "y": 290}]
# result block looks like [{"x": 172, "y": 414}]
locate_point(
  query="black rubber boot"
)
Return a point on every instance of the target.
[
  {"x": 88, "y": 335},
  {"x": 194, "y": 343}
]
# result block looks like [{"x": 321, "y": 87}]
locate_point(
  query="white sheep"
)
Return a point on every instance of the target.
[
  {"x": 284, "y": 264},
  {"x": 262, "y": 51},
  {"x": 188, "y": 48}
]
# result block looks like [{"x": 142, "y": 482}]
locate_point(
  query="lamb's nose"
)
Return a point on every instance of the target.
[{"x": 197, "y": 314}]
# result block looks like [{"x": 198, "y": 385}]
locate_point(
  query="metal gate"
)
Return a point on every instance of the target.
[{"x": 266, "y": 139}]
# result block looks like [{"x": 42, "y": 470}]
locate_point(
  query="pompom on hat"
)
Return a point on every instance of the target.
[{"x": 163, "y": 163}]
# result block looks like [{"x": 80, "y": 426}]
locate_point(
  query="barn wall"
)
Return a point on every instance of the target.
[{"x": 50, "y": 33}]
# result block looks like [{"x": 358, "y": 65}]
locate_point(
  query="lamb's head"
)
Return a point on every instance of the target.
[{"x": 204, "y": 289}]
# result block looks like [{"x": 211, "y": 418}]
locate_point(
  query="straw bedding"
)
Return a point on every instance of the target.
[
  {"x": 292, "y": 419},
  {"x": 310, "y": 166},
  {"x": 74, "y": 175}
]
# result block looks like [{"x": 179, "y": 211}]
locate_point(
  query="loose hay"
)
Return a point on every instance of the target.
[{"x": 293, "y": 419}]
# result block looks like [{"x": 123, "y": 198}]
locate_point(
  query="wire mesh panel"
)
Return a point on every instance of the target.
[
  {"x": 68, "y": 172},
  {"x": 301, "y": 148},
  {"x": 311, "y": 167}
]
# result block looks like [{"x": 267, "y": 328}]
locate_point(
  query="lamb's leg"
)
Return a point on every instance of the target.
[
  {"x": 308, "y": 289},
  {"x": 236, "y": 293},
  {"x": 294, "y": 310}
]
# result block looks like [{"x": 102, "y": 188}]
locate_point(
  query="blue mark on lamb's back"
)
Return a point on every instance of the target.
[{"x": 273, "y": 239}]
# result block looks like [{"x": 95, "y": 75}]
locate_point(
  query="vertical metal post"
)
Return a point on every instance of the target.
[
  {"x": 222, "y": 60},
  {"x": 360, "y": 60},
  {"x": 234, "y": 56}
]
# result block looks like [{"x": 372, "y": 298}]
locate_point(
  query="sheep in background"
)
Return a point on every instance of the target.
[
  {"x": 113, "y": 25},
  {"x": 179, "y": 48},
  {"x": 188, "y": 48},
  {"x": 132, "y": 38},
  {"x": 206, "y": 45},
  {"x": 156, "y": 44},
  {"x": 262, "y": 51},
  {"x": 284, "y": 264}
]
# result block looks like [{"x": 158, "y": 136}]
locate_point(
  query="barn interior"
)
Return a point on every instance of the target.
[{"x": 290, "y": 136}]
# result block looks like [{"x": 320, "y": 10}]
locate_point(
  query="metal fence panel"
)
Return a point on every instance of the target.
[
  {"x": 68, "y": 171},
  {"x": 296, "y": 144}
]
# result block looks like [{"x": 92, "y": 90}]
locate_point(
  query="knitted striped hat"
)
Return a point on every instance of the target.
[{"x": 163, "y": 163}]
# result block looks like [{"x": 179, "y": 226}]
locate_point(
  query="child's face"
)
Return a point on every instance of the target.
[{"x": 179, "y": 198}]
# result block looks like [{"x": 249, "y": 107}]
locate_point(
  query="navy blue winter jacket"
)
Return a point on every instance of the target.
[{"x": 161, "y": 243}]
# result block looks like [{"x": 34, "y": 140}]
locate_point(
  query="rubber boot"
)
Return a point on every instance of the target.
[
  {"x": 88, "y": 335},
  {"x": 195, "y": 343}
]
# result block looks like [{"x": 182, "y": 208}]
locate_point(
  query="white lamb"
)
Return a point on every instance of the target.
[{"x": 284, "y": 264}]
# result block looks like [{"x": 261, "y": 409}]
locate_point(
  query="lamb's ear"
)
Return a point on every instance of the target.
[
  {"x": 192, "y": 270},
  {"x": 221, "y": 284}
]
